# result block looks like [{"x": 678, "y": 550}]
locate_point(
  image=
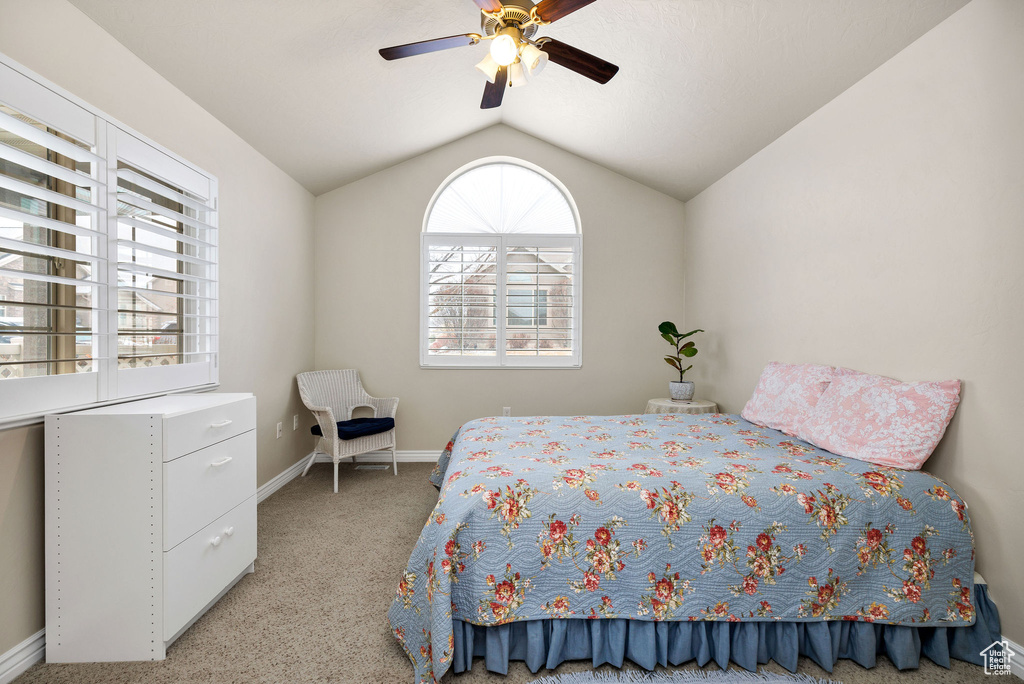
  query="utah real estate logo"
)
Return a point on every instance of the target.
[{"x": 997, "y": 657}]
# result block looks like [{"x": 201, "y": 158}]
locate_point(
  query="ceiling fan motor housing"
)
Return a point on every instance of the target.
[{"x": 512, "y": 12}]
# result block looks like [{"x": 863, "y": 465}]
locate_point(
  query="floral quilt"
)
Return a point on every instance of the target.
[{"x": 674, "y": 517}]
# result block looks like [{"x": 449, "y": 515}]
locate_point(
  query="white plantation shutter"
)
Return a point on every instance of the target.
[
  {"x": 500, "y": 281},
  {"x": 108, "y": 261},
  {"x": 52, "y": 249},
  {"x": 166, "y": 292},
  {"x": 540, "y": 294},
  {"x": 462, "y": 297}
]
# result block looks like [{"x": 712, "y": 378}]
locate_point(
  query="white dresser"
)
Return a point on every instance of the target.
[{"x": 150, "y": 518}]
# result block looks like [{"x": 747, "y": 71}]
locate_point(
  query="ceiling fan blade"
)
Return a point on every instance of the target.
[
  {"x": 553, "y": 10},
  {"x": 581, "y": 62},
  {"x": 425, "y": 46},
  {"x": 490, "y": 5},
  {"x": 493, "y": 92}
]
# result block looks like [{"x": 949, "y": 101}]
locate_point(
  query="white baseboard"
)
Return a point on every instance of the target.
[
  {"x": 289, "y": 474},
  {"x": 1016, "y": 664},
  {"x": 295, "y": 470},
  {"x": 23, "y": 656}
]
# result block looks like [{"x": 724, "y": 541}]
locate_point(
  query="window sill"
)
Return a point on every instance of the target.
[
  {"x": 39, "y": 418},
  {"x": 482, "y": 367}
]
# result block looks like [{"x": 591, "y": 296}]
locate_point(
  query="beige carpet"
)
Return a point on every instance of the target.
[{"x": 315, "y": 610}]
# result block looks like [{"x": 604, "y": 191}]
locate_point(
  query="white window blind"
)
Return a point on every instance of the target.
[
  {"x": 107, "y": 258},
  {"x": 540, "y": 297},
  {"x": 462, "y": 297},
  {"x": 500, "y": 271},
  {"x": 166, "y": 272}
]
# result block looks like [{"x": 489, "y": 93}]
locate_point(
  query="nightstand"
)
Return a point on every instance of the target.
[{"x": 688, "y": 406}]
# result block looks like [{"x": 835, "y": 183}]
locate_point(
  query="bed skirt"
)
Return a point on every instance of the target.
[{"x": 547, "y": 643}]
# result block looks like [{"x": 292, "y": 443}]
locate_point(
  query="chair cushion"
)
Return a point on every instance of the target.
[{"x": 359, "y": 427}]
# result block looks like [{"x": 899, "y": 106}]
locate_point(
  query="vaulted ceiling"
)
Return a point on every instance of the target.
[{"x": 703, "y": 85}]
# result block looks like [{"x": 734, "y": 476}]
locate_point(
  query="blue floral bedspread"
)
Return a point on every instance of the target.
[{"x": 674, "y": 517}]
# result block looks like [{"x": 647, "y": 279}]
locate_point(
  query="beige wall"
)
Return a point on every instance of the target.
[
  {"x": 367, "y": 266},
  {"x": 885, "y": 233},
  {"x": 266, "y": 258}
]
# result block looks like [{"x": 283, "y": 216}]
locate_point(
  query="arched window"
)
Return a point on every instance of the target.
[{"x": 500, "y": 285}]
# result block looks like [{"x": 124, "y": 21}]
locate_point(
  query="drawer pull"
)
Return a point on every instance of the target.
[
  {"x": 229, "y": 531},
  {"x": 220, "y": 424},
  {"x": 220, "y": 462},
  {"x": 215, "y": 541}
]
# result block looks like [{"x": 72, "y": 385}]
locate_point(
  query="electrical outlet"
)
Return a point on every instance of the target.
[
  {"x": 295, "y": 422},
  {"x": 280, "y": 430},
  {"x": 506, "y": 410}
]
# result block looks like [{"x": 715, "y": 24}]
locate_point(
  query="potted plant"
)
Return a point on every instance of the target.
[{"x": 682, "y": 390}]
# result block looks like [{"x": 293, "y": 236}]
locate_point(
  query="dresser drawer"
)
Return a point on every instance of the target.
[
  {"x": 191, "y": 431},
  {"x": 206, "y": 484},
  {"x": 201, "y": 567}
]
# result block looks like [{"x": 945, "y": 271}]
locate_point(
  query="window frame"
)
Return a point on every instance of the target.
[
  {"x": 26, "y": 400},
  {"x": 502, "y": 241}
]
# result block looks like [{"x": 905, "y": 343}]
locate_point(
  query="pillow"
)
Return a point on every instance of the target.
[
  {"x": 786, "y": 394},
  {"x": 881, "y": 420}
]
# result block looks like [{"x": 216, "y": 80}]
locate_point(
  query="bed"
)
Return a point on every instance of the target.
[{"x": 664, "y": 538}]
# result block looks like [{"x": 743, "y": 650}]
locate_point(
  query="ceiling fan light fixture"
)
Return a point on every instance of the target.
[
  {"x": 504, "y": 48},
  {"x": 488, "y": 67},
  {"x": 515, "y": 57},
  {"x": 534, "y": 59}
]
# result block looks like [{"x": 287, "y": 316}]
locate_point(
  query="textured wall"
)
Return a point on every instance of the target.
[
  {"x": 367, "y": 281},
  {"x": 884, "y": 233},
  {"x": 266, "y": 254}
]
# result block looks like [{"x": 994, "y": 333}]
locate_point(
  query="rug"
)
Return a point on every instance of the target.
[{"x": 686, "y": 677}]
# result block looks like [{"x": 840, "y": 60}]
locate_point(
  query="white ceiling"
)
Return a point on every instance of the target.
[{"x": 703, "y": 85}]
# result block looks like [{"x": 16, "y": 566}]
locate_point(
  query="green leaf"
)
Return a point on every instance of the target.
[
  {"x": 668, "y": 327},
  {"x": 687, "y": 345},
  {"x": 692, "y": 332},
  {"x": 692, "y": 351},
  {"x": 684, "y": 370},
  {"x": 672, "y": 361},
  {"x": 668, "y": 338}
]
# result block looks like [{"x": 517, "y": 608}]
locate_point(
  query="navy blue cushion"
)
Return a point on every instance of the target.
[{"x": 359, "y": 427}]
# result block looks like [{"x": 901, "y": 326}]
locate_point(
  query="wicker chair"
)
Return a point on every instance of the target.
[{"x": 332, "y": 395}]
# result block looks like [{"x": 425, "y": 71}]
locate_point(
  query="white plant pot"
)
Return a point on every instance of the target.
[{"x": 681, "y": 391}]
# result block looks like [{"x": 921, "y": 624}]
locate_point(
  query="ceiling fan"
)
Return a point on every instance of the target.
[{"x": 515, "y": 56}]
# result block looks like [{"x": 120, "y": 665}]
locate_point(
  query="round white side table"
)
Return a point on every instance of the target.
[{"x": 688, "y": 406}]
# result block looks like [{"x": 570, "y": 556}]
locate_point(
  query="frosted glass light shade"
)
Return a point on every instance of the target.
[
  {"x": 500, "y": 197},
  {"x": 504, "y": 49},
  {"x": 517, "y": 75},
  {"x": 534, "y": 59},
  {"x": 488, "y": 67}
]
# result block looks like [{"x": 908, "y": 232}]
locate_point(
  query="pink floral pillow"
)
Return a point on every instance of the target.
[
  {"x": 881, "y": 420},
  {"x": 786, "y": 394}
]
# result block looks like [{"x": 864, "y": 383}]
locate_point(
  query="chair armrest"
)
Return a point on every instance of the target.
[
  {"x": 384, "y": 407},
  {"x": 325, "y": 419}
]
